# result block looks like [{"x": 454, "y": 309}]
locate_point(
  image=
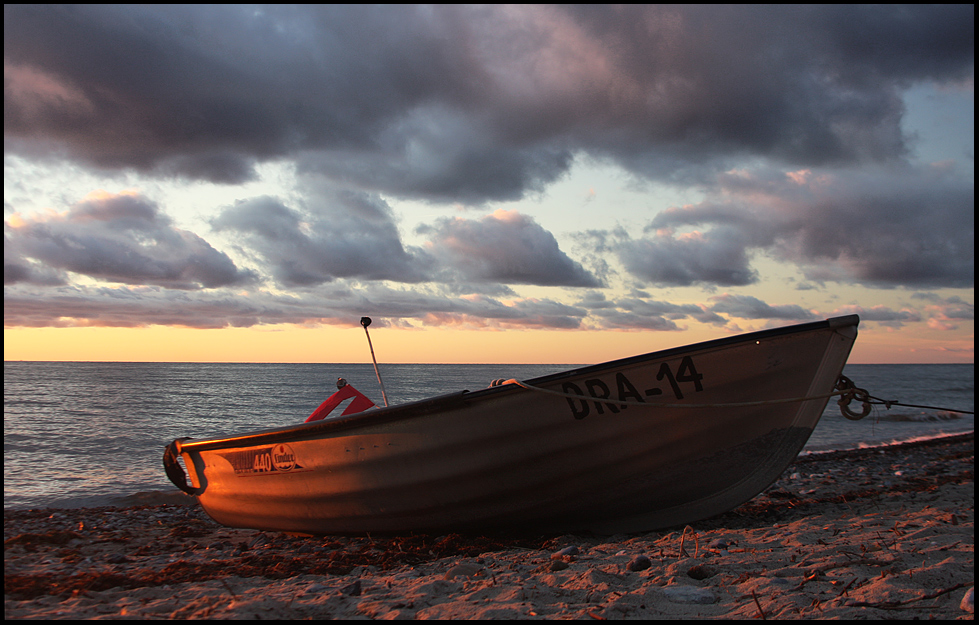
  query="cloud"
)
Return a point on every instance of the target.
[
  {"x": 718, "y": 257},
  {"x": 748, "y": 307},
  {"x": 468, "y": 103},
  {"x": 947, "y": 313},
  {"x": 883, "y": 315},
  {"x": 17, "y": 269},
  {"x": 335, "y": 304},
  {"x": 344, "y": 302},
  {"x": 440, "y": 154},
  {"x": 222, "y": 86},
  {"x": 804, "y": 85},
  {"x": 505, "y": 247},
  {"x": 634, "y": 313},
  {"x": 121, "y": 238},
  {"x": 911, "y": 227},
  {"x": 339, "y": 235},
  {"x": 146, "y": 306}
]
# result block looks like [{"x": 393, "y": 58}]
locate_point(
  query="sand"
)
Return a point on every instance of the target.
[{"x": 871, "y": 534}]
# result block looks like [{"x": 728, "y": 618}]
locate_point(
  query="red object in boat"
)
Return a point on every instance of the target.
[{"x": 345, "y": 391}]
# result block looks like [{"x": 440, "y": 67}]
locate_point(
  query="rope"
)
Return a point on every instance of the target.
[
  {"x": 624, "y": 402},
  {"x": 851, "y": 392},
  {"x": 845, "y": 388},
  {"x": 888, "y": 403}
]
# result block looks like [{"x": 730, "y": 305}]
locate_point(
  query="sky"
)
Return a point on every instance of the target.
[{"x": 536, "y": 184}]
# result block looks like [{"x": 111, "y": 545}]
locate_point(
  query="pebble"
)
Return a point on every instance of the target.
[
  {"x": 352, "y": 590},
  {"x": 718, "y": 543},
  {"x": 463, "y": 570},
  {"x": 567, "y": 551},
  {"x": 639, "y": 563},
  {"x": 969, "y": 601}
]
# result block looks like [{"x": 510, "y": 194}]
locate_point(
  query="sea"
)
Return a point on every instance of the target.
[{"x": 83, "y": 434}]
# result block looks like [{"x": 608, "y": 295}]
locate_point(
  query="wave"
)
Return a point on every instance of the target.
[
  {"x": 911, "y": 441},
  {"x": 171, "y": 497},
  {"x": 921, "y": 417}
]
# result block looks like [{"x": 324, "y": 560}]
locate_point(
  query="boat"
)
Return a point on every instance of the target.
[{"x": 646, "y": 442}]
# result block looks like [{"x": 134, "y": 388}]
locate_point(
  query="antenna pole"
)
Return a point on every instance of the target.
[{"x": 366, "y": 321}]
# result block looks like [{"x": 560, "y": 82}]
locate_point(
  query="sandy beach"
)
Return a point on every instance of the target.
[{"x": 885, "y": 533}]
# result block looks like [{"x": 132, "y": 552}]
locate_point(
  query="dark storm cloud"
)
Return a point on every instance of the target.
[
  {"x": 803, "y": 84},
  {"x": 202, "y": 91},
  {"x": 117, "y": 238},
  {"x": 505, "y": 247},
  {"x": 468, "y": 103}
]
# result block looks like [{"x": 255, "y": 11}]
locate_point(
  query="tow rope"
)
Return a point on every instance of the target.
[{"x": 844, "y": 388}]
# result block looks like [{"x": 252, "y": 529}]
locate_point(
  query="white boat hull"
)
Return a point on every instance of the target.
[{"x": 510, "y": 456}]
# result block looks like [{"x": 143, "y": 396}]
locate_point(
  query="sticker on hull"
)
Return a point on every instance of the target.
[{"x": 263, "y": 460}]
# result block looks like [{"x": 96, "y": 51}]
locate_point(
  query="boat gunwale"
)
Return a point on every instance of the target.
[{"x": 401, "y": 412}]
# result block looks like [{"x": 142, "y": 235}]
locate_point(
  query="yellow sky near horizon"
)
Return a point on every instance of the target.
[{"x": 287, "y": 343}]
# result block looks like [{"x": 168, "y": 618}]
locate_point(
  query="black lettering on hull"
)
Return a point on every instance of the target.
[
  {"x": 579, "y": 407},
  {"x": 600, "y": 390},
  {"x": 600, "y": 393}
]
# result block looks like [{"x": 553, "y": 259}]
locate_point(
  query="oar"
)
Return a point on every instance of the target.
[{"x": 366, "y": 321}]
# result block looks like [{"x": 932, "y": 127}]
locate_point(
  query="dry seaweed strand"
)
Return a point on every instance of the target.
[
  {"x": 696, "y": 537},
  {"x": 761, "y": 613},
  {"x": 903, "y": 605}
]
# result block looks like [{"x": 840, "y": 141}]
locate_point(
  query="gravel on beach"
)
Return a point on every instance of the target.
[{"x": 882, "y": 533}]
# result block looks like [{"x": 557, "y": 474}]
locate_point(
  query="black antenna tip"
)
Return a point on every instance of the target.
[{"x": 365, "y": 321}]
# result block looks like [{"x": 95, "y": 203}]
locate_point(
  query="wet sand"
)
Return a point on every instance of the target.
[{"x": 887, "y": 533}]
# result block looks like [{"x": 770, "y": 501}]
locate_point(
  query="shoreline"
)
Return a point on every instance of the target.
[{"x": 882, "y": 532}]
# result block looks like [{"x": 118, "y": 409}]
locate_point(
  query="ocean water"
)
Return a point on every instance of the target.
[{"x": 87, "y": 434}]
